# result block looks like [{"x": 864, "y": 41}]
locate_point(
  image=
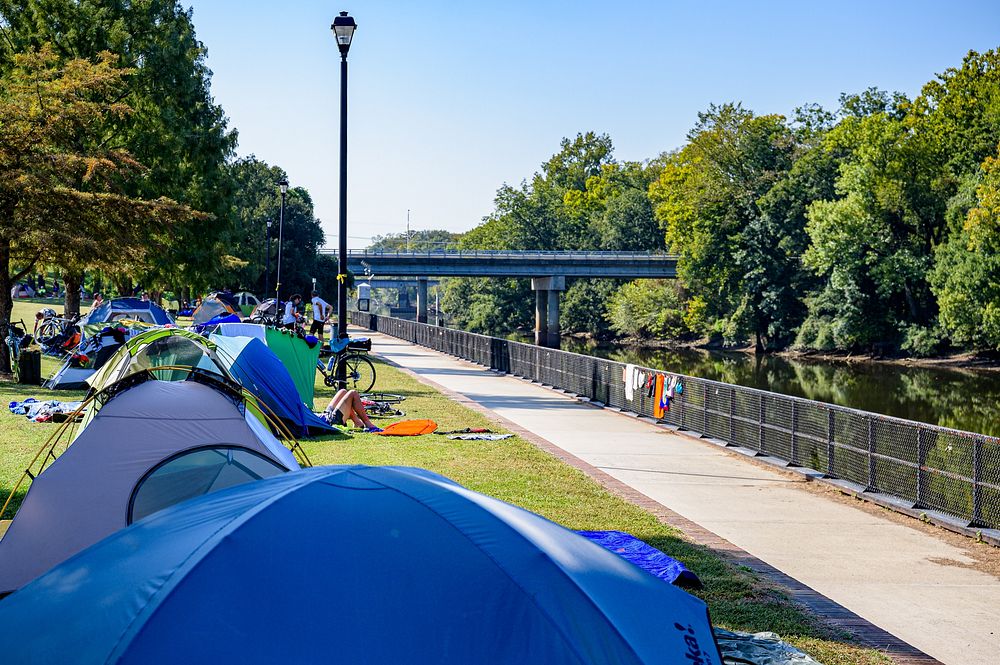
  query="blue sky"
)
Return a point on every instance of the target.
[{"x": 449, "y": 100}]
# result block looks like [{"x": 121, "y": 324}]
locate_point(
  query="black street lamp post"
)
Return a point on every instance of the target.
[
  {"x": 283, "y": 185},
  {"x": 267, "y": 260},
  {"x": 343, "y": 30}
]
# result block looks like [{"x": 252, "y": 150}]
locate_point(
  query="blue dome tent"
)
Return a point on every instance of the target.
[
  {"x": 352, "y": 564},
  {"x": 127, "y": 308},
  {"x": 255, "y": 366}
]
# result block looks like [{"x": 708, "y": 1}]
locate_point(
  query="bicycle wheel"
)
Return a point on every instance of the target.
[
  {"x": 384, "y": 398},
  {"x": 360, "y": 372},
  {"x": 48, "y": 330}
]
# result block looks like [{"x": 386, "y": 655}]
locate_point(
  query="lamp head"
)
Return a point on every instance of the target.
[
  {"x": 283, "y": 185},
  {"x": 343, "y": 30}
]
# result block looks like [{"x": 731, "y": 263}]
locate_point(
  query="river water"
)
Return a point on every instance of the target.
[{"x": 960, "y": 398}]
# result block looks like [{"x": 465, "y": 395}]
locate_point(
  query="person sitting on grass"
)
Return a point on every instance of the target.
[{"x": 346, "y": 405}]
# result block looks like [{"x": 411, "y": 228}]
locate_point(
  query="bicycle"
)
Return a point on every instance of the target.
[
  {"x": 358, "y": 369},
  {"x": 52, "y": 326},
  {"x": 383, "y": 405}
]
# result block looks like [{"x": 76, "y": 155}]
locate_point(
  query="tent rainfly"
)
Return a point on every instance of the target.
[
  {"x": 216, "y": 306},
  {"x": 127, "y": 308},
  {"x": 150, "y": 445},
  {"x": 249, "y": 361},
  {"x": 377, "y": 565}
]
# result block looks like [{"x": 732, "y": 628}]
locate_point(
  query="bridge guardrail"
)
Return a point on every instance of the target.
[
  {"x": 481, "y": 253},
  {"x": 951, "y": 476}
]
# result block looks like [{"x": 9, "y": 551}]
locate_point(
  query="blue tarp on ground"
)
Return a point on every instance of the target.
[
  {"x": 353, "y": 565},
  {"x": 261, "y": 372},
  {"x": 645, "y": 556}
]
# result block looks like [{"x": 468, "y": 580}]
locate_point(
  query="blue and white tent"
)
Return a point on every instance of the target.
[
  {"x": 257, "y": 369},
  {"x": 352, "y": 565},
  {"x": 127, "y": 308}
]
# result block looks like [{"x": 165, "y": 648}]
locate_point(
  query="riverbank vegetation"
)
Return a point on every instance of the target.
[{"x": 873, "y": 227}]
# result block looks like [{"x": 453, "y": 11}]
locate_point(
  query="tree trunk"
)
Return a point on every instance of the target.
[
  {"x": 124, "y": 287},
  {"x": 6, "y": 303},
  {"x": 72, "y": 280},
  {"x": 759, "y": 347}
]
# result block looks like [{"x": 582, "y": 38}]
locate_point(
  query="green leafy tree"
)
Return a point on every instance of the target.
[
  {"x": 707, "y": 200},
  {"x": 419, "y": 241},
  {"x": 175, "y": 128},
  {"x": 63, "y": 193}
]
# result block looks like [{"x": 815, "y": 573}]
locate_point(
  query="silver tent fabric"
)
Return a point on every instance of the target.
[{"x": 84, "y": 494}]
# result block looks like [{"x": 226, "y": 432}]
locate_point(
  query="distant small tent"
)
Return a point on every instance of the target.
[
  {"x": 260, "y": 371},
  {"x": 266, "y": 309},
  {"x": 22, "y": 291},
  {"x": 127, "y": 308},
  {"x": 377, "y": 565},
  {"x": 150, "y": 444},
  {"x": 216, "y": 306},
  {"x": 247, "y": 301}
]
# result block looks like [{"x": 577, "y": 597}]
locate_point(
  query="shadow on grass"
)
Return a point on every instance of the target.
[{"x": 15, "y": 502}]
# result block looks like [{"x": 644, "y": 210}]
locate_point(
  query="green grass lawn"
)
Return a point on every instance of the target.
[{"x": 515, "y": 471}]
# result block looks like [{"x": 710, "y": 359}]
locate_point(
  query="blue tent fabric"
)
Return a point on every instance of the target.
[
  {"x": 351, "y": 564},
  {"x": 261, "y": 372},
  {"x": 645, "y": 556},
  {"x": 222, "y": 318},
  {"x": 106, "y": 311}
]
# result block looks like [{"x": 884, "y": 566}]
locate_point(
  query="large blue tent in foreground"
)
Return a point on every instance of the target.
[{"x": 352, "y": 564}]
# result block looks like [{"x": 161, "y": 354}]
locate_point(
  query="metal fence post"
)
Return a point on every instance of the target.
[
  {"x": 760, "y": 424},
  {"x": 921, "y": 463},
  {"x": 732, "y": 413},
  {"x": 704, "y": 431},
  {"x": 795, "y": 421},
  {"x": 872, "y": 485},
  {"x": 830, "y": 448},
  {"x": 977, "y": 479}
]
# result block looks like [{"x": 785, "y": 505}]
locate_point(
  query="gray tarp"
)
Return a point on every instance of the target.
[{"x": 84, "y": 495}]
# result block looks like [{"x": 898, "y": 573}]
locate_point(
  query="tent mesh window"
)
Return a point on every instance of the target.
[{"x": 194, "y": 473}]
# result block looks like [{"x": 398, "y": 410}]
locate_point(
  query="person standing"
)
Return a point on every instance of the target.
[
  {"x": 321, "y": 314},
  {"x": 291, "y": 316}
]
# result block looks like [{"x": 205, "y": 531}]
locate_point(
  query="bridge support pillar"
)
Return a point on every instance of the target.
[
  {"x": 547, "y": 309},
  {"x": 421, "y": 300},
  {"x": 541, "y": 315}
]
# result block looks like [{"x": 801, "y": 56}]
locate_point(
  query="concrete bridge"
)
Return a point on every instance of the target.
[{"x": 546, "y": 270}]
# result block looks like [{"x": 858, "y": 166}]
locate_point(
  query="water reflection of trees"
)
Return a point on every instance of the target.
[{"x": 958, "y": 398}]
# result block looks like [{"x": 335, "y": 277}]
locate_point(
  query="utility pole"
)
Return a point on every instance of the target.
[{"x": 407, "y": 229}]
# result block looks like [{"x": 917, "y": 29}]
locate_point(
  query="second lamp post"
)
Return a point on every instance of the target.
[
  {"x": 343, "y": 30},
  {"x": 283, "y": 185}
]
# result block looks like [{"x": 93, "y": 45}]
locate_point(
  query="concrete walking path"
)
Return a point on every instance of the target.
[{"x": 908, "y": 582}]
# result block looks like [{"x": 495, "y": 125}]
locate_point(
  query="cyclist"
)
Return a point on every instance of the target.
[
  {"x": 291, "y": 317},
  {"x": 321, "y": 313}
]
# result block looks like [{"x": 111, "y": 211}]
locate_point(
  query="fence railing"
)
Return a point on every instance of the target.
[{"x": 919, "y": 466}]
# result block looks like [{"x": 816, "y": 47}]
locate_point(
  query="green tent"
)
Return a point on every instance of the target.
[{"x": 298, "y": 359}]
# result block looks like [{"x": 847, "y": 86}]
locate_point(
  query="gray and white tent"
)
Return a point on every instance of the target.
[{"x": 150, "y": 445}]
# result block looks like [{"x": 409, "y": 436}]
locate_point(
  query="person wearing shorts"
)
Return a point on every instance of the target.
[
  {"x": 346, "y": 406},
  {"x": 291, "y": 317},
  {"x": 321, "y": 312}
]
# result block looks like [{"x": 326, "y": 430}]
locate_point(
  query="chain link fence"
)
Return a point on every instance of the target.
[{"x": 923, "y": 467}]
